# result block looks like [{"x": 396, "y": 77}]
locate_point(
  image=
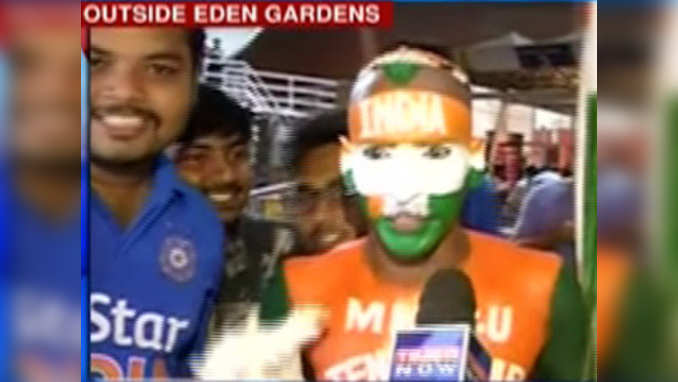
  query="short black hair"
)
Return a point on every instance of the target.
[
  {"x": 323, "y": 128},
  {"x": 196, "y": 42},
  {"x": 217, "y": 113}
]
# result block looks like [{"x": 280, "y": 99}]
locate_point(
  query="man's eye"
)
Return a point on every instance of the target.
[
  {"x": 242, "y": 155},
  {"x": 239, "y": 154},
  {"x": 437, "y": 152},
  {"x": 96, "y": 62},
  {"x": 376, "y": 152},
  {"x": 190, "y": 158},
  {"x": 162, "y": 70}
]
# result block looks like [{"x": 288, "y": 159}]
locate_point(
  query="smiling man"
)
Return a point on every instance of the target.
[
  {"x": 155, "y": 243},
  {"x": 325, "y": 214},
  {"x": 409, "y": 157},
  {"x": 213, "y": 155}
]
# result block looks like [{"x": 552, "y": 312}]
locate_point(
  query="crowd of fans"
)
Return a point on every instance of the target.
[
  {"x": 146, "y": 272},
  {"x": 522, "y": 197},
  {"x": 529, "y": 204}
]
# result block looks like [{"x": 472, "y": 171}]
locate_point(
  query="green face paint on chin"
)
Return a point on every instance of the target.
[{"x": 417, "y": 245}]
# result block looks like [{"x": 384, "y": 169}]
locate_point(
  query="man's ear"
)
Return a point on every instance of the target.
[{"x": 474, "y": 179}]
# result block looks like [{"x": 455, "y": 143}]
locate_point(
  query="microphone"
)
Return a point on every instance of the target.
[
  {"x": 443, "y": 347},
  {"x": 447, "y": 298}
]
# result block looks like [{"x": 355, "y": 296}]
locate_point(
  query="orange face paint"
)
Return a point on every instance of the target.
[{"x": 375, "y": 206}]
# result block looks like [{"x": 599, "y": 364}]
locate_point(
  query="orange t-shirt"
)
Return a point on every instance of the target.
[
  {"x": 513, "y": 288},
  {"x": 613, "y": 271}
]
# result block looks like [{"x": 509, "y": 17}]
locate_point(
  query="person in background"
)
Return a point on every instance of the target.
[
  {"x": 213, "y": 156},
  {"x": 482, "y": 205},
  {"x": 156, "y": 243},
  {"x": 536, "y": 173},
  {"x": 546, "y": 217},
  {"x": 325, "y": 214},
  {"x": 510, "y": 151},
  {"x": 481, "y": 208},
  {"x": 534, "y": 166},
  {"x": 513, "y": 159}
]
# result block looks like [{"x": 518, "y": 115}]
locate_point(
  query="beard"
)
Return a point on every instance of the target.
[
  {"x": 122, "y": 162},
  {"x": 54, "y": 163}
]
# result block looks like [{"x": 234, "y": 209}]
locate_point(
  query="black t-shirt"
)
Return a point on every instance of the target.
[{"x": 250, "y": 258}]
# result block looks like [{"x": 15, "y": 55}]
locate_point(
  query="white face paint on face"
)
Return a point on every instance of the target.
[{"x": 406, "y": 174}]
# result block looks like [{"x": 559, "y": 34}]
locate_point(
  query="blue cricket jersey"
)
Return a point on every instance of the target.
[
  {"x": 153, "y": 284},
  {"x": 44, "y": 295}
]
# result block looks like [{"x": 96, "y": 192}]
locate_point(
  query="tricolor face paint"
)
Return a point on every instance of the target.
[
  {"x": 412, "y": 193},
  {"x": 408, "y": 155}
]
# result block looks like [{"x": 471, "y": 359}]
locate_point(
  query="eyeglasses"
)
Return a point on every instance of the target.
[{"x": 307, "y": 197}]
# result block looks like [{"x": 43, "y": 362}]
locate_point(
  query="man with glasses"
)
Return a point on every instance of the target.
[{"x": 326, "y": 215}]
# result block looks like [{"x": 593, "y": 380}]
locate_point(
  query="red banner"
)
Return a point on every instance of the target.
[{"x": 232, "y": 14}]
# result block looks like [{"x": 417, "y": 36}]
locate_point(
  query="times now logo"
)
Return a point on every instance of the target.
[
  {"x": 425, "y": 362},
  {"x": 428, "y": 354}
]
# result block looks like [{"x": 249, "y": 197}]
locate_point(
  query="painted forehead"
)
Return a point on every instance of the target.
[
  {"x": 405, "y": 102},
  {"x": 409, "y": 146},
  {"x": 409, "y": 116}
]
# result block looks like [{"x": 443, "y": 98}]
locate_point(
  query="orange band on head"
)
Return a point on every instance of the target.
[{"x": 416, "y": 116}]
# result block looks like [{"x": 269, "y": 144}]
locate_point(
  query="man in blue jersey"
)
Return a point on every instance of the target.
[
  {"x": 155, "y": 243},
  {"x": 39, "y": 198}
]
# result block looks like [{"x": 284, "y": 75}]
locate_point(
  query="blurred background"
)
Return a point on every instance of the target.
[{"x": 42, "y": 164}]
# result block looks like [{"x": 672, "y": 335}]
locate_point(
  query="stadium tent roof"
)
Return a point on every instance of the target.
[
  {"x": 490, "y": 32},
  {"x": 446, "y": 27}
]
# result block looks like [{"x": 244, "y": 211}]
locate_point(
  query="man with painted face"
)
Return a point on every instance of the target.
[
  {"x": 328, "y": 215},
  {"x": 409, "y": 157},
  {"x": 325, "y": 214}
]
